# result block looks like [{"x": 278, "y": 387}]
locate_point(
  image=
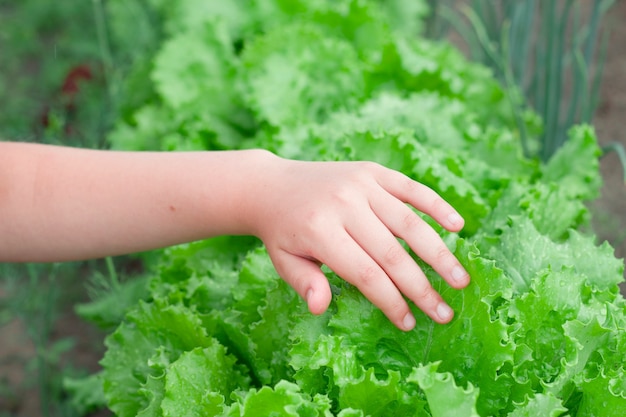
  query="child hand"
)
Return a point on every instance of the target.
[{"x": 347, "y": 215}]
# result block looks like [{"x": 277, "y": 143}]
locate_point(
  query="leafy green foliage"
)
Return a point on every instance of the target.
[
  {"x": 539, "y": 331},
  {"x": 43, "y": 47}
]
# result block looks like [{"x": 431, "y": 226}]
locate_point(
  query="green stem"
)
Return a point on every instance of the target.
[
  {"x": 550, "y": 74},
  {"x": 560, "y": 130},
  {"x": 512, "y": 92},
  {"x": 103, "y": 43},
  {"x": 112, "y": 273}
]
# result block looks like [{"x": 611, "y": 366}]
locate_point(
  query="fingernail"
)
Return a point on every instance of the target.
[
  {"x": 459, "y": 275},
  {"x": 308, "y": 295},
  {"x": 454, "y": 218},
  {"x": 444, "y": 312},
  {"x": 408, "y": 322}
]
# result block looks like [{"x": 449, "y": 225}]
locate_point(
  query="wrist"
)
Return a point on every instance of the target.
[{"x": 254, "y": 200}]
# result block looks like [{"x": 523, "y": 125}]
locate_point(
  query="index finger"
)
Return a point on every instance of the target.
[{"x": 422, "y": 197}]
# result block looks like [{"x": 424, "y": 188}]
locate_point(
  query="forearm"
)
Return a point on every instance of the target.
[{"x": 63, "y": 204}]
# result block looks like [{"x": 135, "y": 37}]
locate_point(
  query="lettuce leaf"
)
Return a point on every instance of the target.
[
  {"x": 539, "y": 330},
  {"x": 444, "y": 397},
  {"x": 297, "y": 73},
  {"x": 152, "y": 336},
  {"x": 199, "y": 383}
]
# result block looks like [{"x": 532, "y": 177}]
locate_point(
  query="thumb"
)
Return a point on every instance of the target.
[{"x": 305, "y": 276}]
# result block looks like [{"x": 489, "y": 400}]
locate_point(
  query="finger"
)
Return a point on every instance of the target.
[
  {"x": 422, "y": 198},
  {"x": 423, "y": 239},
  {"x": 348, "y": 260},
  {"x": 383, "y": 247},
  {"x": 304, "y": 276}
]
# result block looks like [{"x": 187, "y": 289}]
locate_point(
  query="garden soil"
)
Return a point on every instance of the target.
[
  {"x": 610, "y": 122},
  {"x": 16, "y": 352}
]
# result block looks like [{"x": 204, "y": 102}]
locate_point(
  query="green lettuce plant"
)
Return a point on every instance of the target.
[{"x": 539, "y": 331}]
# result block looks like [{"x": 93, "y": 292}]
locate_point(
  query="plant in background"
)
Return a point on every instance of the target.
[
  {"x": 51, "y": 88},
  {"x": 34, "y": 295},
  {"x": 553, "y": 52},
  {"x": 538, "y": 332},
  {"x": 50, "y": 92}
]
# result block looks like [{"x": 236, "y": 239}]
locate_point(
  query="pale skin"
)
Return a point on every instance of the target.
[{"x": 60, "y": 204}]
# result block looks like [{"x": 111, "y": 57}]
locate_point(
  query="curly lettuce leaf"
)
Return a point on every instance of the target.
[
  {"x": 604, "y": 273},
  {"x": 197, "y": 65},
  {"x": 575, "y": 165},
  {"x": 540, "y": 405},
  {"x": 152, "y": 336},
  {"x": 539, "y": 331},
  {"x": 552, "y": 211},
  {"x": 333, "y": 365},
  {"x": 285, "y": 399},
  {"x": 445, "y": 398},
  {"x": 200, "y": 382},
  {"x": 369, "y": 340},
  {"x": 379, "y": 396},
  {"x": 297, "y": 73}
]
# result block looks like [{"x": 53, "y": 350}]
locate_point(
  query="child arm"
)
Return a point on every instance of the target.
[{"x": 60, "y": 204}]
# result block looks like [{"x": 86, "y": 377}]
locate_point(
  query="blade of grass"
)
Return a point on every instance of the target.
[
  {"x": 560, "y": 131},
  {"x": 598, "y": 73},
  {"x": 575, "y": 98},
  {"x": 490, "y": 15},
  {"x": 103, "y": 43},
  {"x": 588, "y": 54},
  {"x": 549, "y": 74},
  {"x": 512, "y": 91},
  {"x": 579, "y": 72},
  {"x": 464, "y": 30},
  {"x": 521, "y": 39},
  {"x": 518, "y": 100},
  {"x": 112, "y": 272}
]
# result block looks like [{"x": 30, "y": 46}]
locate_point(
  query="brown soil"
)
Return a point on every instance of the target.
[
  {"x": 18, "y": 366},
  {"x": 610, "y": 122}
]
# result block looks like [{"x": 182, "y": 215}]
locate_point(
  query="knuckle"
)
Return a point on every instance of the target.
[
  {"x": 411, "y": 186},
  {"x": 425, "y": 296},
  {"x": 298, "y": 282},
  {"x": 367, "y": 276},
  {"x": 397, "y": 309},
  {"x": 369, "y": 166},
  {"x": 394, "y": 255},
  {"x": 441, "y": 254},
  {"x": 314, "y": 221},
  {"x": 345, "y": 189},
  {"x": 411, "y": 221},
  {"x": 438, "y": 205},
  {"x": 365, "y": 172},
  {"x": 342, "y": 195}
]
